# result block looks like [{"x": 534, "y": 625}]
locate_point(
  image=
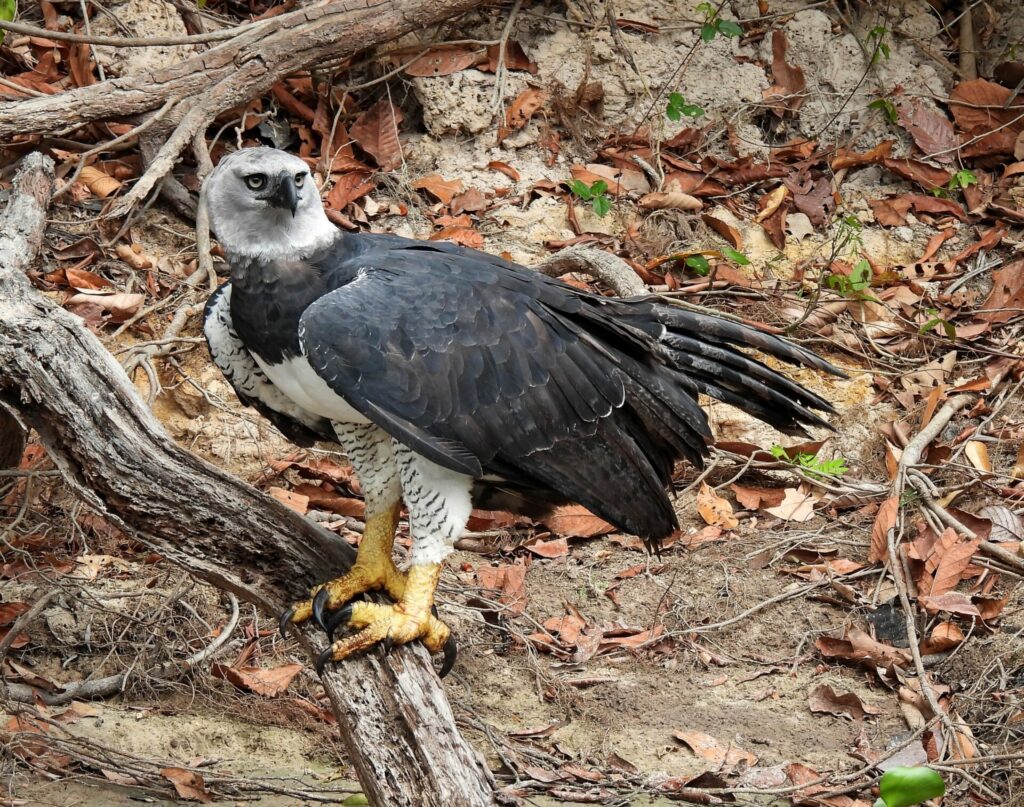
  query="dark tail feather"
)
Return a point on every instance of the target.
[{"x": 703, "y": 348}]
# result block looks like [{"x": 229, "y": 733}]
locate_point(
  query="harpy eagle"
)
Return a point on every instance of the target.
[{"x": 453, "y": 378}]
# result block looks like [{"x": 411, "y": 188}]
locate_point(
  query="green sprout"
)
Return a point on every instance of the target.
[
  {"x": 699, "y": 264},
  {"x": 903, "y": 787},
  {"x": 810, "y": 464},
  {"x": 855, "y": 283},
  {"x": 595, "y": 194},
  {"x": 736, "y": 257},
  {"x": 935, "y": 322},
  {"x": 8, "y": 11},
  {"x": 714, "y": 25},
  {"x": 887, "y": 107},
  {"x": 678, "y": 106},
  {"x": 876, "y": 41}
]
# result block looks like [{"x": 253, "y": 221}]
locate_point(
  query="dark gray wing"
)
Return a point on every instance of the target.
[{"x": 249, "y": 382}]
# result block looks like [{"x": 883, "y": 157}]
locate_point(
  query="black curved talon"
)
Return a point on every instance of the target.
[
  {"x": 322, "y": 660},
  {"x": 338, "y": 618},
  {"x": 285, "y": 621},
  {"x": 319, "y": 605},
  {"x": 388, "y": 644},
  {"x": 450, "y": 650}
]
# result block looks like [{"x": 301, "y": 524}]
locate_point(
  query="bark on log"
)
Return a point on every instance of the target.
[
  {"x": 233, "y": 72},
  {"x": 392, "y": 711}
]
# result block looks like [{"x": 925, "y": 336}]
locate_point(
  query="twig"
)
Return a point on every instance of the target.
[
  {"x": 500, "y": 71},
  {"x": 23, "y": 620},
  {"x": 112, "y": 684},
  {"x": 129, "y": 41}
]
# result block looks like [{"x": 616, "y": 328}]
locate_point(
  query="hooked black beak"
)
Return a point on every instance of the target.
[{"x": 286, "y": 195}]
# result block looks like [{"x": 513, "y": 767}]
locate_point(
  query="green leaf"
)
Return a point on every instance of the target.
[
  {"x": 779, "y": 452},
  {"x": 580, "y": 189},
  {"x": 706, "y": 9},
  {"x": 8, "y": 11},
  {"x": 736, "y": 257},
  {"x": 356, "y": 800},
  {"x": 599, "y": 187},
  {"x": 962, "y": 179},
  {"x": 729, "y": 28},
  {"x": 886, "y": 106},
  {"x": 601, "y": 205},
  {"x": 699, "y": 264},
  {"x": 707, "y": 32},
  {"x": 860, "y": 277},
  {"x": 693, "y": 110},
  {"x": 903, "y": 787}
]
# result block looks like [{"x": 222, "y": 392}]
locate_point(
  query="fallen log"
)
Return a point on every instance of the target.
[
  {"x": 226, "y": 75},
  {"x": 392, "y": 712}
]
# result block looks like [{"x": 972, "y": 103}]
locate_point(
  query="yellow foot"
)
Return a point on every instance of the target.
[
  {"x": 373, "y": 570},
  {"x": 410, "y": 618}
]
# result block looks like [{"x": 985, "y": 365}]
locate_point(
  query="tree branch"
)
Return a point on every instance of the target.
[{"x": 112, "y": 451}]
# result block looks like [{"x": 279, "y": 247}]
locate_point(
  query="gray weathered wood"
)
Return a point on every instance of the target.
[
  {"x": 392, "y": 711},
  {"x": 232, "y": 72}
]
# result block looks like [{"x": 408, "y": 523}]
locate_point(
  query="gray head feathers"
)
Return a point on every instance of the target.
[{"x": 264, "y": 204}]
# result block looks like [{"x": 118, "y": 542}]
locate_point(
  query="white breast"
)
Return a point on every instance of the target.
[{"x": 299, "y": 381}]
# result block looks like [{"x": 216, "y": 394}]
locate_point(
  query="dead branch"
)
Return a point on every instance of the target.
[
  {"x": 226, "y": 75},
  {"x": 111, "y": 450},
  {"x": 597, "y": 263}
]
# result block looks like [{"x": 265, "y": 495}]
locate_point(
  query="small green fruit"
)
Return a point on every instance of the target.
[{"x": 903, "y": 787}]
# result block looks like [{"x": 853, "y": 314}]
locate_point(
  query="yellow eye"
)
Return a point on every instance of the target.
[
  {"x": 299, "y": 179},
  {"x": 256, "y": 182}
]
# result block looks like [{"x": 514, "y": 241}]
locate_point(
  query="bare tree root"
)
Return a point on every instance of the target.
[
  {"x": 226, "y": 75},
  {"x": 111, "y": 450},
  {"x": 600, "y": 265}
]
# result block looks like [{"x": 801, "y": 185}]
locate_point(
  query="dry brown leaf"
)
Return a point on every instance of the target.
[
  {"x": 556, "y": 548},
  {"x": 319, "y": 498},
  {"x": 983, "y": 107},
  {"x": 439, "y": 61},
  {"x": 466, "y": 236},
  {"x": 504, "y": 168},
  {"x": 952, "y": 602},
  {"x": 930, "y": 129},
  {"x": 945, "y": 636},
  {"x": 510, "y": 580},
  {"x": 296, "y": 501},
  {"x": 718, "y": 754},
  {"x": 825, "y": 700},
  {"x": 376, "y": 132},
  {"x": 524, "y": 107},
  {"x": 715, "y": 510},
  {"x": 859, "y": 646},
  {"x": 515, "y": 58},
  {"x": 724, "y": 229},
  {"x": 472, "y": 201},
  {"x": 576, "y": 521},
  {"x": 796, "y": 505},
  {"x": 786, "y": 94},
  {"x": 188, "y": 784},
  {"x": 885, "y": 520},
  {"x": 133, "y": 256},
  {"x": 118, "y": 307},
  {"x": 670, "y": 200},
  {"x": 347, "y": 188},
  {"x": 1006, "y": 299},
  {"x": 566, "y": 628},
  {"x": 19, "y": 641},
  {"x": 82, "y": 280},
  {"x": 1006, "y": 524},
  {"x": 268, "y": 682},
  {"x": 770, "y": 202},
  {"x": 98, "y": 181},
  {"x": 927, "y": 176},
  {"x": 949, "y": 558},
  {"x": 10, "y": 611},
  {"x": 977, "y": 453},
  {"x": 444, "y": 190},
  {"x": 754, "y": 498}
]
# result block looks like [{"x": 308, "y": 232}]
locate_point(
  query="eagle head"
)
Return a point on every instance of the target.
[{"x": 263, "y": 203}]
